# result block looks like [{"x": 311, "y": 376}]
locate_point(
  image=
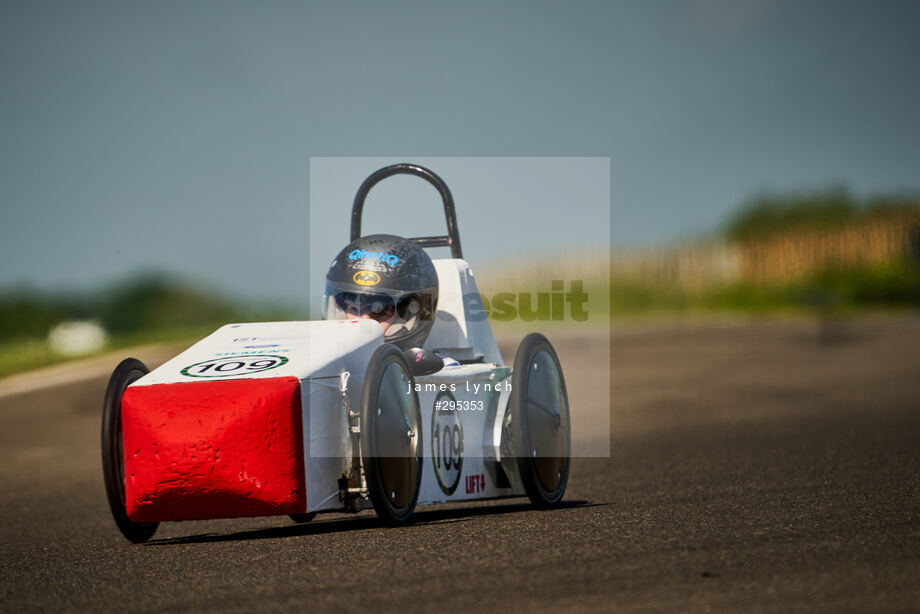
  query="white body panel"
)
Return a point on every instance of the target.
[
  {"x": 461, "y": 329},
  {"x": 310, "y": 349},
  {"x": 479, "y": 474}
]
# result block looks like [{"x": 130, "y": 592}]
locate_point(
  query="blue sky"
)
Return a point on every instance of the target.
[{"x": 178, "y": 136}]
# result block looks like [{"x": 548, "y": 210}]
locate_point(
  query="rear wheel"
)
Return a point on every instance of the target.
[
  {"x": 127, "y": 372},
  {"x": 540, "y": 422},
  {"x": 302, "y": 518},
  {"x": 391, "y": 446}
]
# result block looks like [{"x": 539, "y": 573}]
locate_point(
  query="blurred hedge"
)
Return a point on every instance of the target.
[
  {"x": 889, "y": 285},
  {"x": 776, "y": 212},
  {"x": 146, "y": 304},
  {"x": 158, "y": 302}
]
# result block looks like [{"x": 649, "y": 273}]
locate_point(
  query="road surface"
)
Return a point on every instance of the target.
[{"x": 763, "y": 467}]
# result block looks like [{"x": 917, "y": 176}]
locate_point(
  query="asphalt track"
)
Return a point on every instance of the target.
[{"x": 767, "y": 467}]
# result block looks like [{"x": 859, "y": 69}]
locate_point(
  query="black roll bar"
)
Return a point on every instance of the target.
[{"x": 451, "y": 239}]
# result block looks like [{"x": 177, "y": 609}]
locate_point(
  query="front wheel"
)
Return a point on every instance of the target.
[
  {"x": 126, "y": 373},
  {"x": 391, "y": 434},
  {"x": 540, "y": 421}
]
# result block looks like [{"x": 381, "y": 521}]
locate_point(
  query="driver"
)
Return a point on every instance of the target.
[{"x": 388, "y": 279}]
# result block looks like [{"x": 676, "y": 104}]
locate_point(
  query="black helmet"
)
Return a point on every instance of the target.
[{"x": 389, "y": 278}]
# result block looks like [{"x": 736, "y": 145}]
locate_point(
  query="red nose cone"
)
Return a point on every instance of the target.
[{"x": 220, "y": 449}]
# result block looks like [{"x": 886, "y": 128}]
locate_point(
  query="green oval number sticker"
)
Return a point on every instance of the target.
[{"x": 234, "y": 366}]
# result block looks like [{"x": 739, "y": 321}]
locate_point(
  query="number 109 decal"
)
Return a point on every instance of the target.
[
  {"x": 234, "y": 365},
  {"x": 446, "y": 442}
]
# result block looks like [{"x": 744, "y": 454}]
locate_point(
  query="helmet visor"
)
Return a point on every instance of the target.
[{"x": 400, "y": 313}]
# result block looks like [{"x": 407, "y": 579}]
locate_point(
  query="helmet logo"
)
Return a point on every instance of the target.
[
  {"x": 366, "y": 278},
  {"x": 358, "y": 254}
]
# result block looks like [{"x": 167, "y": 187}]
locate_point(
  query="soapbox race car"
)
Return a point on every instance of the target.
[{"x": 295, "y": 418}]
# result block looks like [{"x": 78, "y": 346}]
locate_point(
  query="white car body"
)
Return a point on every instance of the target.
[{"x": 330, "y": 359}]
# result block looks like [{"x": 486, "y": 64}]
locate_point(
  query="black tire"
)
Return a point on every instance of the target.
[
  {"x": 302, "y": 518},
  {"x": 540, "y": 421},
  {"x": 391, "y": 435},
  {"x": 128, "y": 371}
]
